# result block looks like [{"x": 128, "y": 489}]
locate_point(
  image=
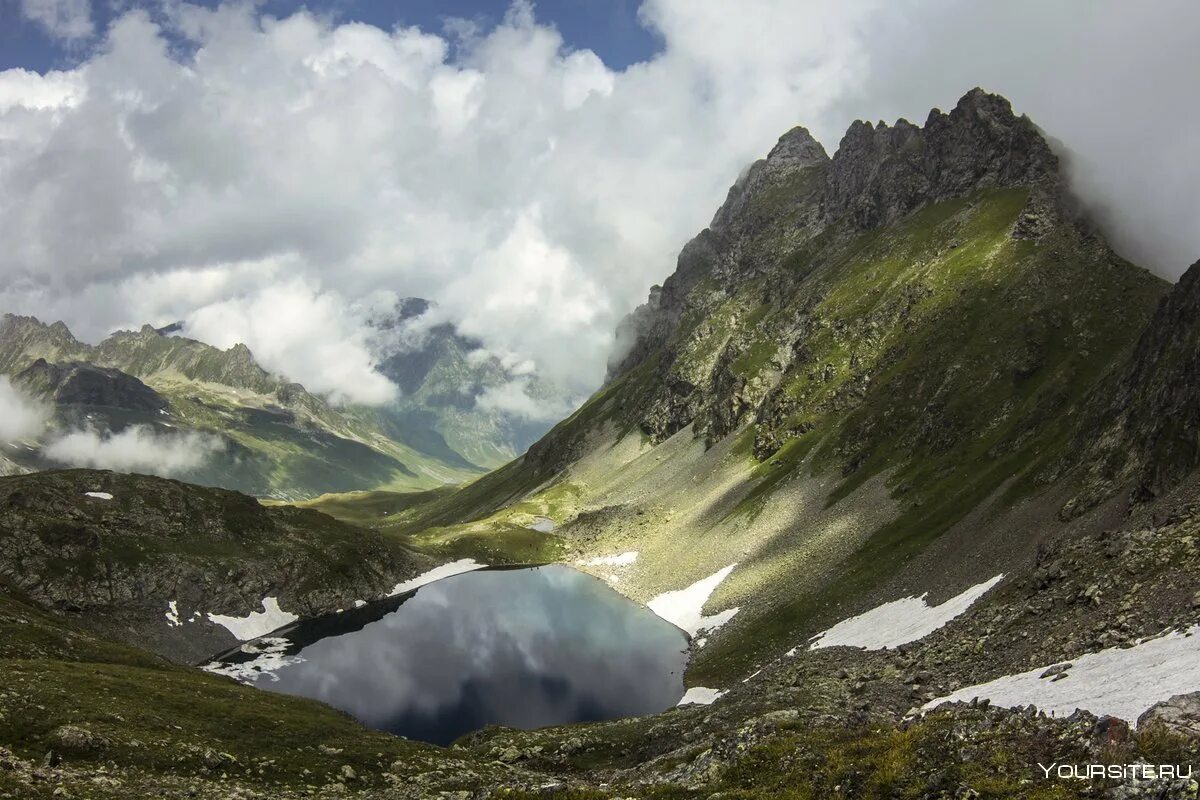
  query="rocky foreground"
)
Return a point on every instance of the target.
[{"x": 86, "y": 717}]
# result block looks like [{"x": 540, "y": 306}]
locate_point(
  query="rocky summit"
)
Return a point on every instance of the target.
[{"x": 905, "y": 447}]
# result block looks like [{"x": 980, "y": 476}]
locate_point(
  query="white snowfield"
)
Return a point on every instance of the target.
[
  {"x": 699, "y": 695},
  {"x": 172, "y": 614},
  {"x": 621, "y": 560},
  {"x": 436, "y": 574},
  {"x": 256, "y": 623},
  {"x": 1119, "y": 682},
  {"x": 898, "y": 622},
  {"x": 99, "y": 495},
  {"x": 268, "y": 658},
  {"x": 684, "y": 608}
]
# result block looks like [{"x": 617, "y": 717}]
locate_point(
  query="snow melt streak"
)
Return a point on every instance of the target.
[
  {"x": 621, "y": 560},
  {"x": 1120, "y": 682},
  {"x": 900, "y": 621}
]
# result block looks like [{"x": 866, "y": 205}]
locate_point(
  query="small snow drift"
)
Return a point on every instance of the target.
[
  {"x": 684, "y": 608},
  {"x": 620, "y": 560},
  {"x": 900, "y": 621},
  {"x": 543, "y": 525},
  {"x": 436, "y": 574},
  {"x": 270, "y": 655},
  {"x": 1119, "y": 682},
  {"x": 98, "y": 495},
  {"x": 699, "y": 695},
  {"x": 172, "y": 614},
  {"x": 256, "y": 623}
]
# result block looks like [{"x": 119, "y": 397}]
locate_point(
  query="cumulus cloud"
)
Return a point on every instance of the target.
[
  {"x": 307, "y": 334},
  {"x": 20, "y": 416},
  {"x": 530, "y": 190},
  {"x": 62, "y": 19},
  {"x": 516, "y": 399},
  {"x": 135, "y": 449}
]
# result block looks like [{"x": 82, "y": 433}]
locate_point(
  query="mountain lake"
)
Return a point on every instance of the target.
[{"x": 522, "y": 647}]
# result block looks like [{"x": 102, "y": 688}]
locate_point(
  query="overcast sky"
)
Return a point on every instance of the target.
[{"x": 273, "y": 179}]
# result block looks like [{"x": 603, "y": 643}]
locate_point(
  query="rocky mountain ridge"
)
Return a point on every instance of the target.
[
  {"x": 277, "y": 439},
  {"x": 146, "y": 560}
]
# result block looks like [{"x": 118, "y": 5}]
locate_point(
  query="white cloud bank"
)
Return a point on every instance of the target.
[
  {"x": 20, "y": 417},
  {"x": 530, "y": 190},
  {"x": 63, "y": 19},
  {"x": 135, "y": 449}
]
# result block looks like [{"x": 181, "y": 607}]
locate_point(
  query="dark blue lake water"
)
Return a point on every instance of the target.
[{"x": 525, "y": 648}]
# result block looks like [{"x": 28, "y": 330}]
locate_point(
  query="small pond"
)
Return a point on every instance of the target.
[{"x": 525, "y": 647}]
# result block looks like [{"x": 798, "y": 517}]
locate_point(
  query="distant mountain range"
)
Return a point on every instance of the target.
[{"x": 261, "y": 433}]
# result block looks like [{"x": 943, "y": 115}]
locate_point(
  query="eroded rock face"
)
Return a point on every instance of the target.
[
  {"x": 118, "y": 557},
  {"x": 1180, "y": 714},
  {"x": 793, "y": 204},
  {"x": 1140, "y": 436},
  {"x": 881, "y": 173}
]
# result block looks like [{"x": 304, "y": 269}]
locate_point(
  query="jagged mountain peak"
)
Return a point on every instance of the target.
[
  {"x": 881, "y": 173},
  {"x": 798, "y": 146}
]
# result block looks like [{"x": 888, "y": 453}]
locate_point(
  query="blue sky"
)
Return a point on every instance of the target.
[{"x": 610, "y": 28}]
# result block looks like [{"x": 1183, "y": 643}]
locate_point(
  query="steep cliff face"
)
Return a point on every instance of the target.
[{"x": 1142, "y": 434}]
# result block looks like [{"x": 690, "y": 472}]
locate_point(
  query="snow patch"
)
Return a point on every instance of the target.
[
  {"x": 256, "y": 623},
  {"x": 700, "y": 696},
  {"x": 621, "y": 560},
  {"x": 684, "y": 608},
  {"x": 99, "y": 495},
  {"x": 1118, "y": 681},
  {"x": 543, "y": 525},
  {"x": 270, "y": 655},
  {"x": 172, "y": 614},
  {"x": 359, "y": 603},
  {"x": 898, "y": 622},
  {"x": 436, "y": 574}
]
